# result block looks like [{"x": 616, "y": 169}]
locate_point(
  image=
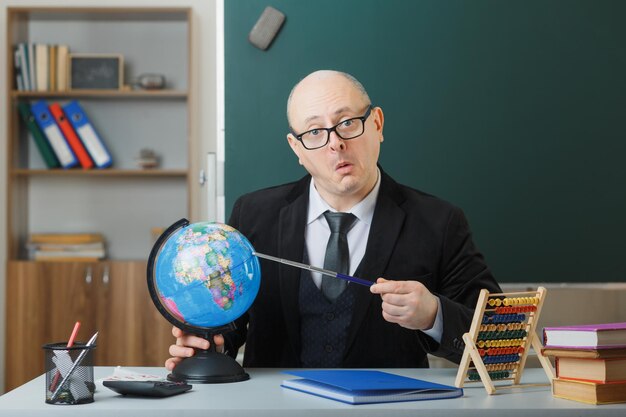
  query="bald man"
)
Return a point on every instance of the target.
[{"x": 417, "y": 248}]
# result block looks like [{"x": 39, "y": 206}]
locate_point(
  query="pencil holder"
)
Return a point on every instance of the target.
[{"x": 69, "y": 373}]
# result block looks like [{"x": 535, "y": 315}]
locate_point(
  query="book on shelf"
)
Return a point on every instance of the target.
[
  {"x": 589, "y": 392},
  {"x": 70, "y": 259},
  {"x": 70, "y": 247},
  {"x": 366, "y": 387},
  {"x": 62, "y": 52},
  {"x": 21, "y": 67},
  {"x": 88, "y": 135},
  {"x": 32, "y": 61},
  {"x": 52, "y": 68},
  {"x": 44, "y": 147},
  {"x": 17, "y": 64},
  {"x": 593, "y": 370},
  {"x": 63, "y": 256},
  {"x": 70, "y": 136},
  {"x": 19, "y": 83},
  {"x": 585, "y": 336},
  {"x": 66, "y": 247},
  {"x": 59, "y": 144},
  {"x": 605, "y": 353},
  {"x": 66, "y": 238},
  {"x": 41, "y": 69}
]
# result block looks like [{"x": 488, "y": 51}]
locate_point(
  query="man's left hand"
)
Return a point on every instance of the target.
[{"x": 407, "y": 303}]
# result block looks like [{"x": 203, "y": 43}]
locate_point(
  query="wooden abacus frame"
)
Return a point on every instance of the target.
[{"x": 528, "y": 303}]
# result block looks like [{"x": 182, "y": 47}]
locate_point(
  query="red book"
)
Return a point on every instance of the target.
[{"x": 70, "y": 135}]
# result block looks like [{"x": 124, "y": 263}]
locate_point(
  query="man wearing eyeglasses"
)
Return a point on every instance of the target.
[{"x": 348, "y": 213}]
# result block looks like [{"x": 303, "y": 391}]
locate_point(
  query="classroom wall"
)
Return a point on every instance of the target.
[{"x": 513, "y": 111}]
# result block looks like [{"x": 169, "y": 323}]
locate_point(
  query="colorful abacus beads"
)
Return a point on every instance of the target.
[
  {"x": 520, "y": 301},
  {"x": 503, "y": 334},
  {"x": 500, "y": 343},
  {"x": 495, "y": 302},
  {"x": 501, "y": 366},
  {"x": 515, "y": 309},
  {"x": 474, "y": 376},
  {"x": 502, "y": 327},
  {"x": 500, "y": 359},
  {"x": 503, "y": 318},
  {"x": 507, "y": 334},
  {"x": 500, "y": 351}
]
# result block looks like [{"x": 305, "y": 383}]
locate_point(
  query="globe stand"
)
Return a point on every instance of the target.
[{"x": 208, "y": 367}]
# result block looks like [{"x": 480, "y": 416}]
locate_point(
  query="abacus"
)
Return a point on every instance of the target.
[{"x": 501, "y": 334}]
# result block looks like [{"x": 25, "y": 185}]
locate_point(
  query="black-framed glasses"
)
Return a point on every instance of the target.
[{"x": 346, "y": 129}]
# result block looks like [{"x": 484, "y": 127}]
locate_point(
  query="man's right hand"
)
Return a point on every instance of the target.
[{"x": 185, "y": 345}]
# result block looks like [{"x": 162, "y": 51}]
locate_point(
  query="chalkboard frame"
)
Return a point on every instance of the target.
[{"x": 115, "y": 62}]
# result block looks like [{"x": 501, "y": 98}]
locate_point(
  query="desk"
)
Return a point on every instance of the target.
[{"x": 262, "y": 396}]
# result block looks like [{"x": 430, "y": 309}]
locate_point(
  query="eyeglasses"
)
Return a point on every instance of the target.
[{"x": 346, "y": 129}]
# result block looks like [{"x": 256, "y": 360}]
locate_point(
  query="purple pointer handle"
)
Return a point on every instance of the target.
[{"x": 356, "y": 280}]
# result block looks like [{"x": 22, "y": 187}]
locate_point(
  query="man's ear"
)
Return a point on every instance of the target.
[
  {"x": 293, "y": 143},
  {"x": 379, "y": 119}
]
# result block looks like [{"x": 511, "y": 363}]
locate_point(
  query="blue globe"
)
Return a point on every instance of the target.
[{"x": 206, "y": 275}]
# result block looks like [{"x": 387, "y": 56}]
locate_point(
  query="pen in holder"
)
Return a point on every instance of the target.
[{"x": 75, "y": 365}]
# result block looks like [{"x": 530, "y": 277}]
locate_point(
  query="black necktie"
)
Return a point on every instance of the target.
[{"x": 337, "y": 253}]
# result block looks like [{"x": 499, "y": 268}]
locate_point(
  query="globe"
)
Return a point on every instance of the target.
[
  {"x": 202, "y": 277},
  {"x": 206, "y": 274}
]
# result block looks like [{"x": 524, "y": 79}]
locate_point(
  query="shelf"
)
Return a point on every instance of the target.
[
  {"x": 98, "y": 14},
  {"x": 173, "y": 94},
  {"x": 100, "y": 172},
  {"x": 125, "y": 203}
]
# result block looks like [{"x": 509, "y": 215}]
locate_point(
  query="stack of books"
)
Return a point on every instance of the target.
[
  {"x": 590, "y": 362},
  {"x": 85, "y": 247},
  {"x": 40, "y": 67}
]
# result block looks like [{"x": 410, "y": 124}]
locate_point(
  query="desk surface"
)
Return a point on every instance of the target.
[{"x": 263, "y": 396}]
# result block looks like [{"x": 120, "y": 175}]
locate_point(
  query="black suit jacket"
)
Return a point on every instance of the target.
[{"x": 413, "y": 236}]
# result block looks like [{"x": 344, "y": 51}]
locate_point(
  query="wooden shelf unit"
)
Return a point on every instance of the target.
[
  {"x": 124, "y": 203},
  {"x": 128, "y": 120}
]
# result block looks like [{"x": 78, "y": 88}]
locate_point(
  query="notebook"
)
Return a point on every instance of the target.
[{"x": 367, "y": 387}]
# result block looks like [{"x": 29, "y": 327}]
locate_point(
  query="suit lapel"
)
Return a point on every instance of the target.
[
  {"x": 384, "y": 231},
  {"x": 291, "y": 226}
]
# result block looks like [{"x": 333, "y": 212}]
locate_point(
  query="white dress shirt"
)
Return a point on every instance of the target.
[{"x": 317, "y": 233}]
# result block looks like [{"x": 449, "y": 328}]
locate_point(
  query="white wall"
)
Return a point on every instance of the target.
[{"x": 207, "y": 107}]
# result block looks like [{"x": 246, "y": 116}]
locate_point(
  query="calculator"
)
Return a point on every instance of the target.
[{"x": 148, "y": 388}]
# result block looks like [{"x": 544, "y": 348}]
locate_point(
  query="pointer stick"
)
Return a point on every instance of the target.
[{"x": 316, "y": 269}]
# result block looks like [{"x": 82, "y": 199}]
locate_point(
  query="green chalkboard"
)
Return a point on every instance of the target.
[{"x": 514, "y": 111}]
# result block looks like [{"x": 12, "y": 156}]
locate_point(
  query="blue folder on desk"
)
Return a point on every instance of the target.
[{"x": 366, "y": 387}]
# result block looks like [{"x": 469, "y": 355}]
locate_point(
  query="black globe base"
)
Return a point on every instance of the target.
[{"x": 208, "y": 367}]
